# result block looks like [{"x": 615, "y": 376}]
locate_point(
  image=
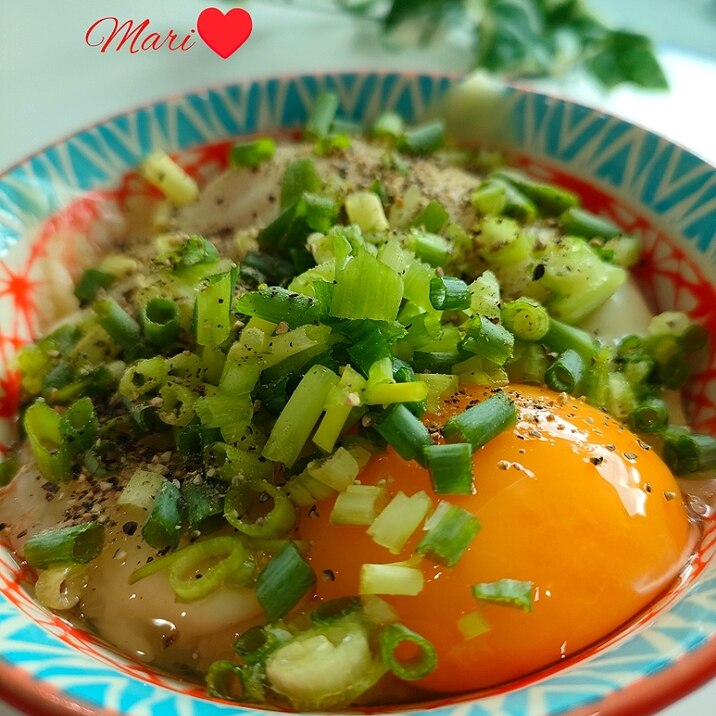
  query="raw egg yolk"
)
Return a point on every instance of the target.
[{"x": 567, "y": 499}]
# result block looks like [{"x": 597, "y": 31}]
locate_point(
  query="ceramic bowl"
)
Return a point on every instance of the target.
[{"x": 65, "y": 198}]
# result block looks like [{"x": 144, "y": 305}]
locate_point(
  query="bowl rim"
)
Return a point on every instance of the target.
[{"x": 646, "y": 695}]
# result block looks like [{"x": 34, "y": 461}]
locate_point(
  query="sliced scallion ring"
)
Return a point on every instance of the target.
[{"x": 392, "y": 637}]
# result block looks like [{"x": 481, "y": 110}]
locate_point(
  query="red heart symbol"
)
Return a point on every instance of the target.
[{"x": 224, "y": 34}]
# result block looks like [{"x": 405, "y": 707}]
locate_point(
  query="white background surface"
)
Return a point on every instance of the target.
[{"x": 53, "y": 83}]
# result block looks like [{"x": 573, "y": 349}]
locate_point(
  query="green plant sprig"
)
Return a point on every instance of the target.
[{"x": 522, "y": 38}]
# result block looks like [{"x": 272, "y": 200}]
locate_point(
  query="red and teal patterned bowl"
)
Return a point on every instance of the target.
[{"x": 62, "y": 201}]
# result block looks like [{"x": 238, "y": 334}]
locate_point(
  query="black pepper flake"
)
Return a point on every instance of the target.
[
  {"x": 669, "y": 495},
  {"x": 538, "y": 272},
  {"x": 129, "y": 528},
  {"x": 643, "y": 445},
  {"x": 611, "y": 447},
  {"x": 647, "y": 487},
  {"x": 329, "y": 575},
  {"x": 20, "y": 535},
  {"x": 313, "y": 512},
  {"x": 630, "y": 456},
  {"x": 596, "y": 460}
]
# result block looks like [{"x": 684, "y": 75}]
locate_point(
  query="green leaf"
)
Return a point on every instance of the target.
[
  {"x": 626, "y": 57},
  {"x": 513, "y": 38},
  {"x": 524, "y": 38},
  {"x": 405, "y": 10}
]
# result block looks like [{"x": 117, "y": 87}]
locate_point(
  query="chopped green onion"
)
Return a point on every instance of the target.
[
  {"x": 561, "y": 337},
  {"x": 338, "y": 471},
  {"x": 565, "y": 373},
  {"x": 449, "y": 532},
  {"x": 488, "y": 340},
  {"x": 192, "y": 251},
  {"x": 141, "y": 490},
  {"x": 272, "y": 269},
  {"x": 60, "y": 587},
  {"x": 159, "y": 318},
  {"x": 358, "y": 505},
  {"x": 204, "y": 505},
  {"x": 43, "y": 427},
  {"x": 622, "y": 400},
  {"x": 481, "y": 423},
  {"x": 502, "y": 241},
  {"x": 366, "y": 288},
  {"x": 434, "y": 249},
  {"x": 231, "y": 413},
  {"x": 318, "y": 211},
  {"x": 177, "y": 407},
  {"x": 370, "y": 341},
  {"x": 334, "y": 610},
  {"x": 578, "y": 279},
  {"x": 213, "y": 309},
  {"x": 624, "y": 251},
  {"x": 432, "y": 217},
  {"x": 398, "y": 579},
  {"x": 276, "y": 304},
  {"x": 123, "y": 329},
  {"x": 163, "y": 526},
  {"x": 257, "y": 643},
  {"x": 91, "y": 283},
  {"x": 224, "y": 680},
  {"x": 404, "y": 432},
  {"x": 450, "y": 468},
  {"x": 526, "y": 318},
  {"x": 300, "y": 177},
  {"x": 78, "y": 544},
  {"x": 394, "y": 526},
  {"x": 553, "y": 200},
  {"x": 392, "y": 637},
  {"x": 490, "y": 197},
  {"x": 244, "y": 499},
  {"x": 511, "y": 592},
  {"x": 580, "y": 222},
  {"x": 448, "y": 293},
  {"x": 203, "y": 567},
  {"x": 79, "y": 425},
  {"x": 423, "y": 139},
  {"x": 160, "y": 170},
  {"x": 686, "y": 453},
  {"x": 388, "y": 393},
  {"x": 388, "y": 124},
  {"x": 252, "y": 154},
  {"x": 439, "y": 387},
  {"x": 650, "y": 416},
  {"x": 485, "y": 293},
  {"x": 298, "y": 419},
  {"x": 285, "y": 580},
  {"x": 340, "y": 402},
  {"x": 144, "y": 377},
  {"x": 334, "y": 142},
  {"x": 232, "y": 462},
  {"x": 366, "y": 209},
  {"x": 473, "y": 624},
  {"x": 305, "y": 490},
  {"x": 322, "y": 115},
  {"x": 529, "y": 363},
  {"x": 495, "y": 197}
]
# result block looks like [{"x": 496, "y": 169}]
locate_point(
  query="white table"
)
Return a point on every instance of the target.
[{"x": 53, "y": 83}]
